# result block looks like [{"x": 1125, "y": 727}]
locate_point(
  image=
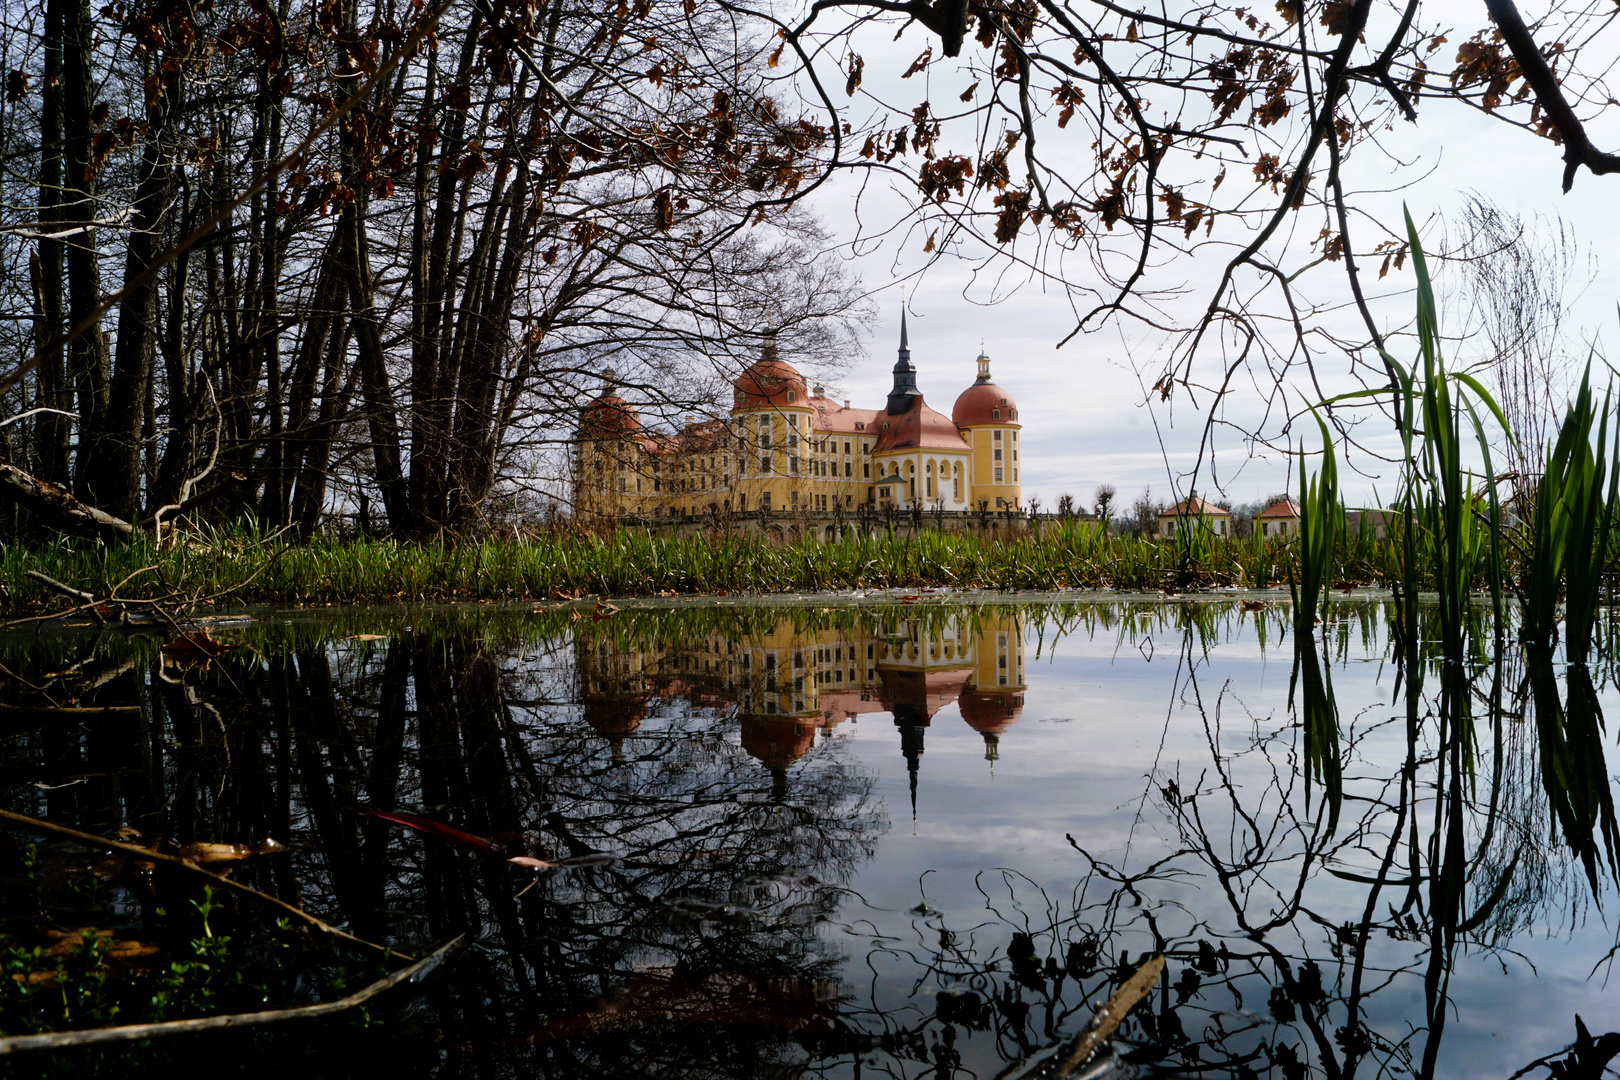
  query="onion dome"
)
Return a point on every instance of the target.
[
  {"x": 984, "y": 402},
  {"x": 769, "y": 382},
  {"x": 777, "y": 741},
  {"x": 608, "y": 416},
  {"x": 991, "y": 712}
]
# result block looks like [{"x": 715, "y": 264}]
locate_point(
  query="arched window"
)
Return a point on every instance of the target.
[
  {"x": 995, "y": 414},
  {"x": 930, "y": 485},
  {"x": 957, "y": 488}
]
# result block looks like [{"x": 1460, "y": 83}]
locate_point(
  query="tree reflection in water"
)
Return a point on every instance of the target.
[
  {"x": 684, "y": 760},
  {"x": 1296, "y": 942}
]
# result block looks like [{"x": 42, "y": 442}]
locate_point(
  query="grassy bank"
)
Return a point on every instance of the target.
[{"x": 248, "y": 567}]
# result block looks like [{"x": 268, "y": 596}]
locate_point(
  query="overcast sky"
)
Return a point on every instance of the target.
[{"x": 1083, "y": 406}]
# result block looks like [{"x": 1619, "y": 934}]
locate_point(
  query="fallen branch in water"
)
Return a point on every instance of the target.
[
  {"x": 92, "y": 840},
  {"x": 1109, "y": 1017},
  {"x": 18, "y": 717},
  {"x": 58, "y": 1040},
  {"x": 55, "y": 502}
]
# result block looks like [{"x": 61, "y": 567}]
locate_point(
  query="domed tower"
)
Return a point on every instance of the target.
[
  {"x": 605, "y": 455},
  {"x": 770, "y": 420},
  {"x": 987, "y": 417},
  {"x": 994, "y": 697},
  {"x": 991, "y": 712}
]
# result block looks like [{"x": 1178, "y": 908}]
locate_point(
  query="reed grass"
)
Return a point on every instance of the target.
[
  {"x": 1568, "y": 532},
  {"x": 248, "y": 566},
  {"x": 1311, "y": 574}
]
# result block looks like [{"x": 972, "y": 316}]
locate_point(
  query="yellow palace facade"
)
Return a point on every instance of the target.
[{"x": 785, "y": 448}]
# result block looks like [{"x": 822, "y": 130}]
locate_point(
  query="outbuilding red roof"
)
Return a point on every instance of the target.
[
  {"x": 1194, "y": 507},
  {"x": 1282, "y": 508}
]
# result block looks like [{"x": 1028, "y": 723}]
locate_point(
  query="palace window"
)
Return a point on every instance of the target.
[
  {"x": 956, "y": 490},
  {"x": 791, "y": 397},
  {"x": 998, "y": 453},
  {"x": 847, "y": 470},
  {"x": 995, "y": 414},
  {"x": 866, "y": 470},
  {"x": 998, "y": 478},
  {"x": 765, "y": 464}
]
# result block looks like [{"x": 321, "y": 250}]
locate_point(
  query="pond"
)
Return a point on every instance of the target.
[{"x": 880, "y": 836}]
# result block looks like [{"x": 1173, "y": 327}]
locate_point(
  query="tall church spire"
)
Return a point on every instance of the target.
[{"x": 905, "y": 375}]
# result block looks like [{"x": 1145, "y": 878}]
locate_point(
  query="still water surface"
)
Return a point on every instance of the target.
[{"x": 871, "y": 839}]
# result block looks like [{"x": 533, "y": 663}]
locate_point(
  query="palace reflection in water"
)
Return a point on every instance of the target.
[{"x": 791, "y": 681}]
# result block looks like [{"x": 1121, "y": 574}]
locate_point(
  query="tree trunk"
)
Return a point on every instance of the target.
[
  {"x": 382, "y": 422},
  {"x": 87, "y": 353},
  {"x": 118, "y": 473},
  {"x": 52, "y": 431}
]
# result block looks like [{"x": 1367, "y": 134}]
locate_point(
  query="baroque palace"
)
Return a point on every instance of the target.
[{"x": 785, "y": 450}]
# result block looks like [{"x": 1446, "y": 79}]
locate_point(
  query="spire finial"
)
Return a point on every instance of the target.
[{"x": 984, "y": 366}]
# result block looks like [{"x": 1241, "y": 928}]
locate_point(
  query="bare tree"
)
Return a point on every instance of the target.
[
  {"x": 1519, "y": 274},
  {"x": 1102, "y": 504}
]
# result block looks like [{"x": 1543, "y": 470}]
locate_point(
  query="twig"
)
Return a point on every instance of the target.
[
  {"x": 15, "y": 713},
  {"x": 66, "y": 590},
  {"x": 1108, "y": 1018},
  {"x": 57, "y": 1040},
  {"x": 92, "y": 840},
  {"x": 8, "y": 421},
  {"x": 191, "y": 483}
]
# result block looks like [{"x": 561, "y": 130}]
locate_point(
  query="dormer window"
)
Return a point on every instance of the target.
[
  {"x": 791, "y": 397},
  {"x": 995, "y": 414}
]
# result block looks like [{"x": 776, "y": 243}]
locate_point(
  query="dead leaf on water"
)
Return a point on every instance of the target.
[
  {"x": 203, "y": 852},
  {"x": 366, "y": 637},
  {"x": 531, "y": 862}
]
